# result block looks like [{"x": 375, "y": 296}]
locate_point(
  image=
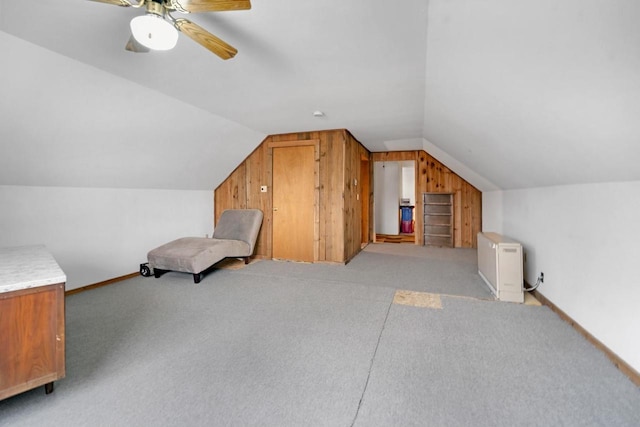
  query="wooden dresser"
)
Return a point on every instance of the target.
[{"x": 32, "y": 329}]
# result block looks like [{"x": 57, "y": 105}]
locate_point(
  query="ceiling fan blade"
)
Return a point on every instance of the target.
[
  {"x": 122, "y": 3},
  {"x": 205, "y": 38},
  {"x": 209, "y": 5},
  {"x": 134, "y": 46}
]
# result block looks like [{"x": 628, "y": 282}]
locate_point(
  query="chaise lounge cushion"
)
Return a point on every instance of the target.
[
  {"x": 239, "y": 224},
  {"x": 235, "y": 236},
  {"x": 195, "y": 254}
]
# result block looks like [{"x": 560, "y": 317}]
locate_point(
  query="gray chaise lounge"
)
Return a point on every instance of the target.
[{"x": 234, "y": 236}]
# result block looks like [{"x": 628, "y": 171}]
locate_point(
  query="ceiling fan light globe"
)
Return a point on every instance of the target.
[{"x": 154, "y": 32}]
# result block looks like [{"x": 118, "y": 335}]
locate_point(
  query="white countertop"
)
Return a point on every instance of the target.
[{"x": 26, "y": 267}]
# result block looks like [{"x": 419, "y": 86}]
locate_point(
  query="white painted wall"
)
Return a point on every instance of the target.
[
  {"x": 408, "y": 187},
  {"x": 585, "y": 240},
  {"x": 100, "y": 169},
  {"x": 492, "y": 211},
  {"x": 97, "y": 234}
]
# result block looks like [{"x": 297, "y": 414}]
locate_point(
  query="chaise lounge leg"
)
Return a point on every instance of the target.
[
  {"x": 157, "y": 272},
  {"x": 246, "y": 260},
  {"x": 197, "y": 277}
]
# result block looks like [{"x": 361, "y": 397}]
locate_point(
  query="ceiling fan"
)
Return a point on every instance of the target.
[{"x": 158, "y": 30}]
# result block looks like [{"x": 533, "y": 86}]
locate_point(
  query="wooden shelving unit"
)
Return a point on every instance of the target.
[{"x": 438, "y": 219}]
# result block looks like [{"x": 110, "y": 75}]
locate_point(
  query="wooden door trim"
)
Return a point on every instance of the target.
[{"x": 281, "y": 144}]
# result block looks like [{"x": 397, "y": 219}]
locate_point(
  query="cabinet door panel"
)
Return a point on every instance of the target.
[{"x": 31, "y": 338}]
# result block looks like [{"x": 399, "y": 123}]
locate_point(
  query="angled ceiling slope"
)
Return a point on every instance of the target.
[
  {"x": 522, "y": 94},
  {"x": 536, "y": 93},
  {"x": 77, "y": 126}
]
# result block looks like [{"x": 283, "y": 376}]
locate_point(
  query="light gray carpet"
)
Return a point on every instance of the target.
[
  {"x": 401, "y": 266},
  {"x": 493, "y": 364},
  {"x": 232, "y": 350},
  {"x": 269, "y": 345}
]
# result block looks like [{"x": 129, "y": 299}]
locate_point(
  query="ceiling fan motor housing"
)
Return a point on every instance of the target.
[
  {"x": 152, "y": 30},
  {"x": 156, "y": 7}
]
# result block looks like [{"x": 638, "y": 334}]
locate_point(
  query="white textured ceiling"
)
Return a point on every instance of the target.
[
  {"x": 525, "y": 94},
  {"x": 536, "y": 93}
]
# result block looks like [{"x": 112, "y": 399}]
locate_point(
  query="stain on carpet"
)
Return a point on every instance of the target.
[{"x": 417, "y": 299}]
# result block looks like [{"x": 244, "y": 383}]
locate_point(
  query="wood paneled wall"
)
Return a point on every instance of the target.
[
  {"x": 433, "y": 176},
  {"x": 340, "y": 191},
  {"x": 354, "y": 189},
  {"x": 338, "y": 206}
]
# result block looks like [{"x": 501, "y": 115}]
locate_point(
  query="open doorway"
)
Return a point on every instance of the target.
[
  {"x": 394, "y": 201},
  {"x": 365, "y": 200}
]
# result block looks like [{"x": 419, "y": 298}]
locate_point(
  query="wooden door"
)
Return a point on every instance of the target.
[{"x": 293, "y": 202}]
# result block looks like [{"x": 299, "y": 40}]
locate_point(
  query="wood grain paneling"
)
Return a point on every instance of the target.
[
  {"x": 32, "y": 338},
  {"x": 232, "y": 193},
  {"x": 433, "y": 176},
  {"x": 333, "y": 190},
  {"x": 339, "y": 201},
  {"x": 356, "y": 180},
  {"x": 338, "y": 208},
  {"x": 257, "y": 174}
]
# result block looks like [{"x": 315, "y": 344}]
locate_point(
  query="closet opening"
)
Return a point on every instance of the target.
[{"x": 394, "y": 201}]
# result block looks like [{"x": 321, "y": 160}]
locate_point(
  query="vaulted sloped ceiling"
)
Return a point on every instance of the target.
[
  {"x": 511, "y": 94},
  {"x": 536, "y": 93}
]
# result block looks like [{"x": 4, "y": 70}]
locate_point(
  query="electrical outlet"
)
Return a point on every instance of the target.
[
  {"x": 263, "y": 188},
  {"x": 541, "y": 277}
]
